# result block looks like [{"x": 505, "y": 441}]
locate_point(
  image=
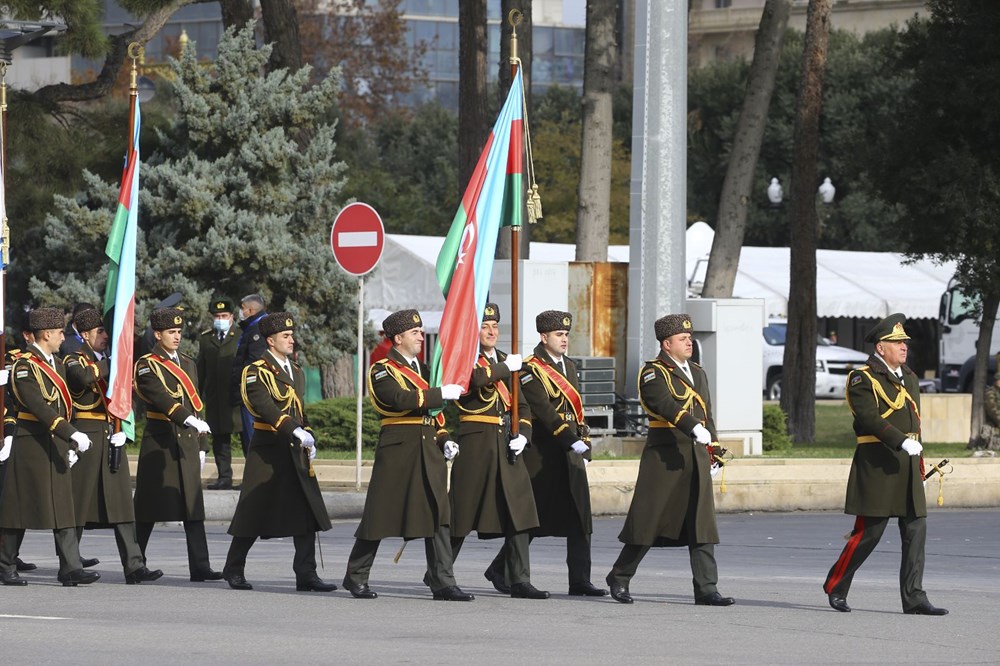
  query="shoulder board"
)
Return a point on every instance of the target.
[
  {"x": 145, "y": 357},
  {"x": 261, "y": 363},
  {"x": 529, "y": 358},
  {"x": 382, "y": 361},
  {"x": 697, "y": 365},
  {"x": 206, "y": 331},
  {"x": 187, "y": 356}
]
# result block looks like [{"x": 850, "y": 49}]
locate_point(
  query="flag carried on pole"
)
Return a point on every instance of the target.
[
  {"x": 119, "y": 296},
  {"x": 493, "y": 198},
  {"x": 4, "y": 229}
]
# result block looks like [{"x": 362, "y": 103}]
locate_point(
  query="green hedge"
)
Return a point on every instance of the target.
[{"x": 775, "y": 430}]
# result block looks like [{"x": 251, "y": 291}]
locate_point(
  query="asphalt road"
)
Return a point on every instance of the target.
[{"x": 773, "y": 564}]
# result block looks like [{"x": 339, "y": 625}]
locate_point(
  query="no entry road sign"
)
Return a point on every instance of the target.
[{"x": 357, "y": 238}]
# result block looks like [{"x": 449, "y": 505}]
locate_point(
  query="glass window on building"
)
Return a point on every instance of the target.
[
  {"x": 430, "y": 7},
  {"x": 542, "y": 41},
  {"x": 447, "y": 35},
  {"x": 568, "y": 41}
]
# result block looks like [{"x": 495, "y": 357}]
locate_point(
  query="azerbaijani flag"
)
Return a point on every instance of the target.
[
  {"x": 493, "y": 198},
  {"x": 119, "y": 295}
]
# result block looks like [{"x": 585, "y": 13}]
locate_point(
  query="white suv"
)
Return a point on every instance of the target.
[{"x": 832, "y": 363}]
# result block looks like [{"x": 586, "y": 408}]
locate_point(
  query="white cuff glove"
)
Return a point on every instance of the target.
[
  {"x": 912, "y": 447},
  {"x": 450, "y": 450},
  {"x": 714, "y": 469},
  {"x": 118, "y": 439},
  {"x": 8, "y": 443},
  {"x": 579, "y": 447},
  {"x": 451, "y": 392},
  {"x": 198, "y": 424},
  {"x": 517, "y": 444},
  {"x": 513, "y": 362},
  {"x": 72, "y": 457},
  {"x": 201, "y": 461},
  {"x": 81, "y": 440},
  {"x": 312, "y": 452},
  {"x": 701, "y": 434},
  {"x": 305, "y": 439},
  {"x": 5, "y": 375}
]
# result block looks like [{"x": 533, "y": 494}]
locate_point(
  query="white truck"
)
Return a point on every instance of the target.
[
  {"x": 832, "y": 363},
  {"x": 959, "y": 334}
]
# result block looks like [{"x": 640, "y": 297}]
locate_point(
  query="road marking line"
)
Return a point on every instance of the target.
[
  {"x": 32, "y": 617},
  {"x": 357, "y": 239}
]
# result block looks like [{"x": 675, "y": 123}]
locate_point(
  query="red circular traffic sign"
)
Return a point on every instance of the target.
[{"x": 357, "y": 238}]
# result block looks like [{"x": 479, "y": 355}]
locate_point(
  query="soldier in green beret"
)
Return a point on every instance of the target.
[
  {"x": 216, "y": 354},
  {"x": 886, "y": 479},
  {"x": 673, "y": 505}
]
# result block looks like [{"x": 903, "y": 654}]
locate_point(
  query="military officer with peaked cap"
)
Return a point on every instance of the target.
[
  {"x": 490, "y": 486},
  {"x": 174, "y": 443},
  {"x": 280, "y": 496},
  {"x": 559, "y": 452},
  {"x": 673, "y": 503},
  {"x": 102, "y": 485},
  {"x": 38, "y": 490},
  {"x": 408, "y": 492},
  {"x": 886, "y": 479},
  {"x": 216, "y": 355}
]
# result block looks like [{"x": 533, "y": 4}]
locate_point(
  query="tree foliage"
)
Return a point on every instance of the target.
[{"x": 237, "y": 197}]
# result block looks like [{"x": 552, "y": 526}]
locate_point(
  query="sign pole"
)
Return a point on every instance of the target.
[{"x": 360, "y": 377}]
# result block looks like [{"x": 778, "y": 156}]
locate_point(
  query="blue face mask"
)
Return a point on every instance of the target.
[{"x": 221, "y": 325}]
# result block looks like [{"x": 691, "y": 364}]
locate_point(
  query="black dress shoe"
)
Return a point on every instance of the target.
[
  {"x": 839, "y": 603},
  {"x": 206, "y": 575},
  {"x": 79, "y": 577},
  {"x": 714, "y": 599},
  {"x": 452, "y": 593},
  {"x": 221, "y": 485},
  {"x": 314, "y": 584},
  {"x": 587, "y": 589},
  {"x": 142, "y": 575},
  {"x": 88, "y": 562},
  {"x": 238, "y": 582},
  {"x": 499, "y": 584},
  {"x": 11, "y": 578},
  {"x": 619, "y": 593},
  {"x": 926, "y": 609},
  {"x": 25, "y": 566},
  {"x": 527, "y": 591},
  {"x": 360, "y": 591}
]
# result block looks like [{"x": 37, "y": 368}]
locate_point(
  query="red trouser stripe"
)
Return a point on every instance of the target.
[{"x": 845, "y": 557}]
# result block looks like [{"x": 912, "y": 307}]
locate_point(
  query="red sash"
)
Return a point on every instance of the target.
[
  {"x": 570, "y": 393},
  {"x": 56, "y": 379},
  {"x": 501, "y": 388},
  {"x": 418, "y": 381},
  {"x": 182, "y": 377}
]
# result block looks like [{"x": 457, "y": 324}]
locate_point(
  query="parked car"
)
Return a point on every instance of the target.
[{"x": 832, "y": 363}]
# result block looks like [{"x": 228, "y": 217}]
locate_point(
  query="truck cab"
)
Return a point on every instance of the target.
[{"x": 959, "y": 322}]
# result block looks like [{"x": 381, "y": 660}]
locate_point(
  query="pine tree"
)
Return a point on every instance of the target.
[{"x": 236, "y": 198}]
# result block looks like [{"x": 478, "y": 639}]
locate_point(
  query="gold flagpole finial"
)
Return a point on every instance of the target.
[
  {"x": 514, "y": 18},
  {"x": 136, "y": 52}
]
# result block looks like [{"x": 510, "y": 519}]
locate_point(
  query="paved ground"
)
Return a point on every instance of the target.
[{"x": 772, "y": 563}]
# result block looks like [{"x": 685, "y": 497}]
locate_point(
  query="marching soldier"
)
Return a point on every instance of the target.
[
  {"x": 102, "y": 485},
  {"x": 216, "y": 353},
  {"x": 559, "y": 451},
  {"x": 280, "y": 495},
  {"x": 408, "y": 492},
  {"x": 38, "y": 492},
  {"x": 673, "y": 503},
  {"x": 174, "y": 443},
  {"x": 886, "y": 477},
  {"x": 490, "y": 486}
]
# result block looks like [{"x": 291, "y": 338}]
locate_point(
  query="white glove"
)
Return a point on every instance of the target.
[
  {"x": 8, "y": 443},
  {"x": 513, "y": 362},
  {"x": 579, "y": 447},
  {"x": 201, "y": 461},
  {"x": 701, "y": 434},
  {"x": 451, "y": 392},
  {"x": 912, "y": 447},
  {"x": 118, "y": 439},
  {"x": 82, "y": 441},
  {"x": 517, "y": 444},
  {"x": 305, "y": 439},
  {"x": 72, "y": 457},
  {"x": 450, "y": 450},
  {"x": 714, "y": 469},
  {"x": 312, "y": 452},
  {"x": 5, "y": 375},
  {"x": 199, "y": 425}
]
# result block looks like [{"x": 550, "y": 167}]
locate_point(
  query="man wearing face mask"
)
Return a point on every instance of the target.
[
  {"x": 216, "y": 354},
  {"x": 250, "y": 347}
]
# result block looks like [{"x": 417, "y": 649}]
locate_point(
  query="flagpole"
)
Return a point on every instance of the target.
[
  {"x": 514, "y": 18},
  {"x": 4, "y": 228},
  {"x": 135, "y": 51}
]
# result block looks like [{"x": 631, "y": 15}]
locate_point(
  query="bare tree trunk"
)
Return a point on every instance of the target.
[
  {"x": 524, "y": 51},
  {"x": 991, "y": 303},
  {"x": 738, "y": 185},
  {"x": 281, "y": 26},
  {"x": 472, "y": 121},
  {"x": 236, "y": 13},
  {"x": 339, "y": 379},
  {"x": 593, "y": 213},
  {"x": 798, "y": 394}
]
